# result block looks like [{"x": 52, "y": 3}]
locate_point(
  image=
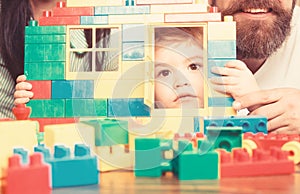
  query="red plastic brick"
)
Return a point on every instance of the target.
[
  {"x": 264, "y": 141},
  {"x": 262, "y": 163},
  {"x": 52, "y": 121},
  {"x": 41, "y": 89},
  {"x": 26, "y": 179},
  {"x": 73, "y": 11}
]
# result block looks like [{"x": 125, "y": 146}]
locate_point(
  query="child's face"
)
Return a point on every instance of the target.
[{"x": 178, "y": 76}]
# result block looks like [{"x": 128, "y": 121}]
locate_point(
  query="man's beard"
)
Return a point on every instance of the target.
[{"x": 258, "y": 38}]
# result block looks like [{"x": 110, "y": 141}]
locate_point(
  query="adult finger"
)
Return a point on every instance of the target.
[
  {"x": 256, "y": 98},
  {"x": 23, "y": 94},
  {"x": 237, "y": 64},
  {"x": 21, "y": 101}
]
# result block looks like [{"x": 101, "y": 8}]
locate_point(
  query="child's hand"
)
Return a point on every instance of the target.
[
  {"x": 235, "y": 79},
  {"x": 22, "y": 94}
]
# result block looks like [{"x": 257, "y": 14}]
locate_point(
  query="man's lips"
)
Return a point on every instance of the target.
[{"x": 256, "y": 10}]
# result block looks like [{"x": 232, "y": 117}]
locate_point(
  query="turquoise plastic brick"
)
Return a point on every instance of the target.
[
  {"x": 47, "y": 108},
  {"x": 86, "y": 107},
  {"x": 149, "y": 157},
  {"x": 23, "y": 153},
  {"x": 127, "y": 107},
  {"x": 130, "y": 2},
  {"x": 133, "y": 51},
  {"x": 221, "y": 49},
  {"x": 121, "y": 10},
  {"x": 224, "y": 137},
  {"x": 39, "y": 30},
  {"x": 44, "y": 39},
  {"x": 251, "y": 123},
  {"x": 220, "y": 102},
  {"x": 93, "y": 20},
  {"x": 44, "y": 52},
  {"x": 109, "y": 132},
  {"x": 67, "y": 170},
  {"x": 62, "y": 89},
  {"x": 45, "y": 70},
  {"x": 194, "y": 165}
]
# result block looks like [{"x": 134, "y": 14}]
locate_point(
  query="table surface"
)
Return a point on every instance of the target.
[{"x": 125, "y": 182}]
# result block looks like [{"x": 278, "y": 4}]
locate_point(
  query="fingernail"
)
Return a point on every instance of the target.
[{"x": 236, "y": 105}]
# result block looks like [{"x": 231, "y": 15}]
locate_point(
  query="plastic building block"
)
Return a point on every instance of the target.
[
  {"x": 60, "y": 20},
  {"x": 23, "y": 153},
  {"x": 287, "y": 142},
  {"x": 225, "y": 137},
  {"x": 16, "y": 134},
  {"x": 21, "y": 111},
  {"x": 221, "y": 49},
  {"x": 114, "y": 157},
  {"x": 195, "y": 165},
  {"x": 78, "y": 3},
  {"x": 121, "y": 10},
  {"x": 45, "y": 30},
  {"x": 95, "y": 20},
  {"x": 252, "y": 124},
  {"x": 109, "y": 132},
  {"x": 26, "y": 179},
  {"x": 130, "y": 107},
  {"x": 44, "y": 39},
  {"x": 228, "y": 31},
  {"x": 55, "y": 70},
  {"x": 75, "y": 133},
  {"x": 62, "y": 89},
  {"x": 182, "y": 8},
  {"x": 155, "y": 2},
  {"x": 44, "y": 52},
  {"x": 68, "y": 170},
  {"x": 86, "y": 107},
  {"x": 220, "y": 101},
  {"x": 52, "y": 121},
  {"x": 261, "y": 163},
  {"x": 51, "y": 108},
  {"x": 72, "y": 11},
  {"x": 129, "y": 2},
  {"x": 41, "y": 89},
  {"x": 192, "y": 17},
  {"x": 149, "y": 160}
]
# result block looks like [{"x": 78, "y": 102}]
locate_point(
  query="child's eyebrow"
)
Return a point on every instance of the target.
[
  {"x": 198, "y": 57},
  {"x": 161, "y": 64}
]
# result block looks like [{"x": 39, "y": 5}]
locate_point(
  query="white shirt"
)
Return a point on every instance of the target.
[{"x": 282, "y": 69}]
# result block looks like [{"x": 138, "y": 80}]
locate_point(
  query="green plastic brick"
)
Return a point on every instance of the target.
[
  {"x": 47, "y": 108},
  {"x": 45, "y": 71},
  {"x": 86, "y": 107}
]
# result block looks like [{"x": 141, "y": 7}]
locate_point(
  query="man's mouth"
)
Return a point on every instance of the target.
[{"x": 257, "y": 10}]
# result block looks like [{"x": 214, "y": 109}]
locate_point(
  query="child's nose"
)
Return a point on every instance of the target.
[{"x": 181, "y": 81}]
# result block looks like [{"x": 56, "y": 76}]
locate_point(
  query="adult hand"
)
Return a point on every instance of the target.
[
  {"x": 281, "y": 106},
  {"x": 22, "y": 94}
]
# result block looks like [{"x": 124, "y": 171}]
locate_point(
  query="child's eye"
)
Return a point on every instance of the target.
[
  {"x": 194, "y": 67},
  {"x": 164, "y": 73}
]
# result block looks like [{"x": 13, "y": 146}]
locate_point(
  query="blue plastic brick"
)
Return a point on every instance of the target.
[
  {"x": 67, "y": 170},
  {"x": 72, "y": 89},
  {"x": 23, "y": 153},
  {"x": 251, "y": 123},
  {"x": 93, "y": 20},
  {"x": 130, "y": 2},
  {"x": 127, "y": 107},
  {"x": 196, "y": 124},
  {"x": 121, "y": 10},
  {"x": 221, "y": 49},
  {"x": 220, "y": 102}
]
